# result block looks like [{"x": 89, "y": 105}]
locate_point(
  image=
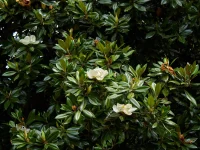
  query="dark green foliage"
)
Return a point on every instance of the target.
[{"x": 67, "y": 65}]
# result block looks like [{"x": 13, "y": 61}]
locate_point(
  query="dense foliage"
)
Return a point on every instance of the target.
[{"x": 106, "y": 74}]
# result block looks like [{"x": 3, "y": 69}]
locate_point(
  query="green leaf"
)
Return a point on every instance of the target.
[
  {"x": 12, "y": 65},
  {"x": 93, "y": 100},
  {"x": 173, "y": 3},
  {"x": 134, "y": 101},
  {"x": 142, "y": 1},
  {"x": 195, "y": 70},
  {"x": 155, "y": 125},
  {"x": 72, "y": 79},
  {"x": 158, "y": 89},
  {"x": 83, "y": 105},
  {"x": 58, "y": 47},
  {"x": 165, "y": 92},
  {"x": 101, "y": 47},
  {"x": 9, "y": 73},
  {"x": 178, "y": 2},
  {"x": 150, "y": 35},
  {"x": 114, "y": 96},
  {"x": 61, "y": 43},
  {"x": 38, "y": 15},
  {"x": 51, "y": 146},
  {"x": 62, "y": 116},
  {"x": 12, "y": 124},
  {"x": 68, "y": 120},
  {"x": 33, "y": 117},
  {"x": 82, "y": 6},
  {"x": 73, "y": 130},
  {"x": 139, "y": 7},
  {"x": 190, "y": 98},
  {"x": 163, "y": 2},
  {"x": 53, "y": 135},
  {"x": 63, "y": 65},
  {"x": 129, "y": 53},
  {"x": 77, "y": 116},
  {"x": 142, "y": 89},
  {"x": 48, "y": 3},
  {"x": 68, "y": 42},
  {"x": 105, "y": 2},
  {"x": 186, "y": 32},
  {"x": 191, "y": 146},
  {"x": 47, "y": 78},
  {"x": 88, "y": 113},
  {"x": 93, "y": 15},
  {"x": 128, "y": 8},
  {"x": 74, "y": 137},
  {"x": 121, "y": 137},
  {"x": 169, "y": 122},
  {"x": 151, "y": 101},
  {"x": 107, "y": 103},
  {"x": 7, "y": 104},
  {"x": 114, "y": 57},
  {"x": 181, "y": 39},
  {"x": 21, "y": 145}
]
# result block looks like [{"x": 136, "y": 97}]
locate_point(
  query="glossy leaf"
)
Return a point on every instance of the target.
[{"x": 190, "y": 98}]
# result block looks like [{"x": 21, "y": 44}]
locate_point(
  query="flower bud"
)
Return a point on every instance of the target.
[
  {"x": 43, "y": 5},
  {"x": 50, "y": 7},
  {"x": 74, "y": 107},
  {"x": 24, "y": 3},
  {"x": 89, "y": 88}
]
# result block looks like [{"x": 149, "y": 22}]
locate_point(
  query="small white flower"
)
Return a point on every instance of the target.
[
  {"x": 126, "y": 109},
  {"x": 97, "y": 73},
  {"x": 29, "y": 40}
]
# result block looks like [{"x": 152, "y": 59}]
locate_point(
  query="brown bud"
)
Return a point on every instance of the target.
[
  {"x": 182, "y": 138},
  {"x": 166, "y": 67},
  {"x": 24, "y": 3},
  {"x": 96, "y": 41},
  {"x": 74, "y": 107},
  {"x": 50, "y": 7}
]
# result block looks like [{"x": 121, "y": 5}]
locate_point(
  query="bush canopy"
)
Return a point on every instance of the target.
[{"x": 99, "y": 74}]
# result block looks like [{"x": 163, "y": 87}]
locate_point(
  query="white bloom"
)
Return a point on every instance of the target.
[
  {"x": 29, "y": 40},
  {"x": 97, "y": 73},
  {"x": 127, "y": 109}
]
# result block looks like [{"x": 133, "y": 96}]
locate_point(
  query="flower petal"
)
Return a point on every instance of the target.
[
  {"x": 128, "y": 106},
  {"x": 99, "y": 78},
  {"x": 90, "y": 74},
  {"x": 115, "y": 109},
  {"x": 128, "y": 109},
  {"x": 27, "y": 38},
  {"x": 120, "y": 106},
  {"x": 132, "y": 109},
  {"x": 24, "y": 41},
  {"x": 32, "y": 38},
  {"x": 127, "y": 112},
  {"x": 36, "y": 42}
]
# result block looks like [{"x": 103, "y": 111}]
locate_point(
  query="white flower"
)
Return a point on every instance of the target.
[
  {"x": 97, "y": 73},
  {"x": 29, "y": 40},
  {"x": 127, "y": 109}
]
